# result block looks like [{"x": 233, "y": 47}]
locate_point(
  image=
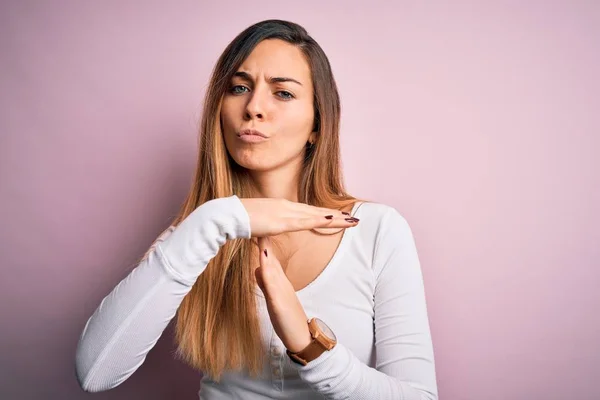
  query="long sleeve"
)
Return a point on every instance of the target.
[
  {"x": 405, "y": 367},
  {"x": 131, "y": 318}
]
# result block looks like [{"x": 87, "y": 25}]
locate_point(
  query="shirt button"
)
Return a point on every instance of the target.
[
  {"x": 276, "y": 372},
  {"x": 275, "y": 351}
]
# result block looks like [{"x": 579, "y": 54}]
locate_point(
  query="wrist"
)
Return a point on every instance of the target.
[
  {"x": 322, "y": 339},
  {"x": 302, "y": 341}
]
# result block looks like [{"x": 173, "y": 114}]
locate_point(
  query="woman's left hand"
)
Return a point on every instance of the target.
[{"x": 287, "y": 314}]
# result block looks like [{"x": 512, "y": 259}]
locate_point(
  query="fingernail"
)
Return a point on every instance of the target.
[
  {"x": 345, "y": 213},
  {"x": 329, "y": 216},
  {"x": 266, "y": 253},
  {"x": 352, "y": 219}
]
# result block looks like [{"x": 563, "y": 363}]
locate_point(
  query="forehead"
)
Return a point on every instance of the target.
[{"x": 274, "y": 57}]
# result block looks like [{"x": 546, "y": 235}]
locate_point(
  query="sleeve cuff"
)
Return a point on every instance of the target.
[{"x": 332, "y": 373}]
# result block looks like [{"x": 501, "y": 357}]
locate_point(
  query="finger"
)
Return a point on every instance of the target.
[
  {"x": 336, "y": 222},
  {"x": 259, "y": 280},
  {"x": 322, "y": 222},
  {"x": 311, "y": 210},
  {"x": 264, "y": 245},
  {"x": 262, "y": 242}
]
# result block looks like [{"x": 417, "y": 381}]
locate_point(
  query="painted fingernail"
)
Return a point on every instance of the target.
[
  {"x": 266, "y": 253},
  {"x": 329, "y": 216},
  {"x": 345, "y": 213},
  {"x": 352, "y": 219}
]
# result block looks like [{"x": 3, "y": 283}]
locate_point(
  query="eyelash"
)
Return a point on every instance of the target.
[{"x": 289, "y": 96}]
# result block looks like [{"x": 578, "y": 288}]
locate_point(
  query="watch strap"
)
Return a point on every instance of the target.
[
  {"x": 319, "y": 344},
  {"x": 309, "y": 353}
]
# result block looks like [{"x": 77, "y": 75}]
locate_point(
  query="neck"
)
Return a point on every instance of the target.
[{"x": 279, "y": 183}]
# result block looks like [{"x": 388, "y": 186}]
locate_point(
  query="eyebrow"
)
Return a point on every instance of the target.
[{"x": 246, "y": 76}]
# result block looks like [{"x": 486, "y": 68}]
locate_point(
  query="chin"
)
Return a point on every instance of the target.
[{"x": 251, "y": 160}]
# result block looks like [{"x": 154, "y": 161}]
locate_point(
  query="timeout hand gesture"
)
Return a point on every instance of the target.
[
  {"x": 287, "y": 314},
  {"x": 271, "y": 217}
]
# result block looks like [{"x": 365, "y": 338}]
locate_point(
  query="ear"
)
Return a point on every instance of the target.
[{"x": 313, "y": 137}]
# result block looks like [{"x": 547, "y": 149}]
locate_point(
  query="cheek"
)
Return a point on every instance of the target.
[
  {"x": 226, "y": 116},
  {"x": 231, "y": 113},
  {"x": 297, "y": 119}
]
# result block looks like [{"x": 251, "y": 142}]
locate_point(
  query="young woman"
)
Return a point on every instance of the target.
[{"x": 279, "y": 290}]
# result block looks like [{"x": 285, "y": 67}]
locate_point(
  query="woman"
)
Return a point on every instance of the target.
[{"x": 279, "y": 290}]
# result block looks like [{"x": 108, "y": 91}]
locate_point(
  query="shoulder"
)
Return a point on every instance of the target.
[
  {"x": 380, "y": 216},
  {"x": 387, "y": 230}
]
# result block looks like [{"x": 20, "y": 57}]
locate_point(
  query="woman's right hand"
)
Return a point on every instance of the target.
[{"x": 269, "y": 217}]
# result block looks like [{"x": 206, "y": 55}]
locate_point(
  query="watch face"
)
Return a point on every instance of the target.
[{"x": 325, "y": 329}]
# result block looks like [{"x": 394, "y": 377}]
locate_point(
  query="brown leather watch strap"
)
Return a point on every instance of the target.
[{"x": 309, "y": 353}]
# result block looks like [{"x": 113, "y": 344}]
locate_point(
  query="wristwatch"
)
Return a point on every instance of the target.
[{"x": 323, "y": 339}]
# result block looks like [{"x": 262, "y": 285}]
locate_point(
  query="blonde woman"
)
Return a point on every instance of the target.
[{"x": 283, "y": 285}]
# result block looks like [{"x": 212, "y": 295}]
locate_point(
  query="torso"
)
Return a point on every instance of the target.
[
  {"x": 307, "y": 263},
  {"x": 304, "y": 255},
  {"x": 339, "y": 291}
]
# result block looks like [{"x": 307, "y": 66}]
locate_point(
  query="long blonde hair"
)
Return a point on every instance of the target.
[{"x": 217, "y": 325}]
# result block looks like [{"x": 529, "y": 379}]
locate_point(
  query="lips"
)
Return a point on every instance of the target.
[{"x": 252, "y": 132}]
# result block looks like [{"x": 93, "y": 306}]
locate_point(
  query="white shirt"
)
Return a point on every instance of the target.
[{"x": 371, "y": 294}]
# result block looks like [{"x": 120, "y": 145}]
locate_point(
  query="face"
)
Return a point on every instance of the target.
[{"x": 267, "y": 114}]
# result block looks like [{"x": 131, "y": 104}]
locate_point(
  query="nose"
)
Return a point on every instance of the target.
[{"x": 255, "y": 108}]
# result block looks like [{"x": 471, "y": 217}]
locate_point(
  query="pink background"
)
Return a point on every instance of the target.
[{"x": 478, "y": 121}]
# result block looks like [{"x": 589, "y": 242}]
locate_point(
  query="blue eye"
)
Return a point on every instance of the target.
[
  {"x": 235, "y": 90},
  {"x": 285, "y": 95}
]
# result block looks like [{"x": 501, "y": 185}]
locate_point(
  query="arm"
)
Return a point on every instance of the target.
[
  {"x": 129, "y": 321},
  {"x": 405, "y": 367}
]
